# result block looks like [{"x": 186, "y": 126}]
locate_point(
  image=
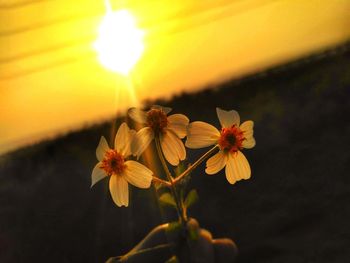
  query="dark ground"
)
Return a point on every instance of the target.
[{"x": 295, "y": 208}]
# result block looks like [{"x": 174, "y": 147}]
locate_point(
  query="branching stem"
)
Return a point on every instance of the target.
[
  {"x": 180, "y": 210},
  {"x": 194, "y": 165},
  {"x": 161, "y": 181},
  {"x": 171, "y": 183}
]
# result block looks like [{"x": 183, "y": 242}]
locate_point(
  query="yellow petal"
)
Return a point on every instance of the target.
[
  {"x": 228, "y": 118},
  {"x": 237, "y": 168},
  {"x": 247, "y": 128},
  {"x": 172, "y": 147},
  {"x": 141, "y": 141},
  {"x": 216, "y": 163},
  {"x": 201, "y": 134},
  {"x": 248, "y": 143},
  {"x": 137, "y": 115},
  {"x": 119, "y": 189},
  {"x": 138, "y": 174},
  {"x": 97, "y": 174},
  {"x": 101, "y": 149},
  {"x": 178, "y": 123}
]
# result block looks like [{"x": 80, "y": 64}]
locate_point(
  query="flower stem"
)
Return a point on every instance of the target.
[
  {"x": 194, "y": 165},
  {"x": 179, "y": 208},
  {"x": 161, "y": 181}
]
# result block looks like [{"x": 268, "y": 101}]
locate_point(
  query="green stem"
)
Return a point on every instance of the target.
[
  {"x": 180, "y": 210},
  {"x": 194, "y": 165}
]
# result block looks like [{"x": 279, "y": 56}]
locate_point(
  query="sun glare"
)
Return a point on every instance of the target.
[{"x": 120, "y": 42}]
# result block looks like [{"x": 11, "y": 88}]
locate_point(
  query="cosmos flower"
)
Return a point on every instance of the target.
[
  {"x": 170, "y": 129},
  {"x": 232, "y": 138},
  {"x": 121, "y": 172}
]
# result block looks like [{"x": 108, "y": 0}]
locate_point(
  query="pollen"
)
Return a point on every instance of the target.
[
  {"x": 113, "y": 163},
  {"x": 231, "y": 139},
  {"x": 157, "y": 120}
]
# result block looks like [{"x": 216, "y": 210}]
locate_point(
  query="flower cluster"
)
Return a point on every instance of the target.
[{"x": 168, "y": 131}]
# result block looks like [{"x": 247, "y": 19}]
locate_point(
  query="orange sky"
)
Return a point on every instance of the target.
[{"x": 51, "y": 81}]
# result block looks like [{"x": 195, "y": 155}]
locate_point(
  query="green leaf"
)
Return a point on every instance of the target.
[
  {"x": 191, "y": 198},
  {"x": 167, "y": 199}
]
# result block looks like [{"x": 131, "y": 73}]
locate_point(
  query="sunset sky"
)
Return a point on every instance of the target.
[{"x": 51, "y": 80}]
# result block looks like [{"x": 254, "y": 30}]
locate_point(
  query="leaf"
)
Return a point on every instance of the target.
[
  {"x": 167, "y": 199},
  {"x": 191, "y": 198}
]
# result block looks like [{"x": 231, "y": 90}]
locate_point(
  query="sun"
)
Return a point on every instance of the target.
[{"x": 120, "y": 43}]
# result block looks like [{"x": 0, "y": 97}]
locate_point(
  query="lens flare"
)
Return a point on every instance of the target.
[{"x": 120, "y": 42}]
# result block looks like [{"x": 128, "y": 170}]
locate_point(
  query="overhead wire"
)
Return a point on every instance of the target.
[
  {"x": 85, "y": 39},
  {"x": 222, "y": 14},
  {"x": 64, "y": 19},
  {"x": 9, "y": 5}
]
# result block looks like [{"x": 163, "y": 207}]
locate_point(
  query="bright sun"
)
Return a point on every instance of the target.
[{"x": 120, "y": 42}]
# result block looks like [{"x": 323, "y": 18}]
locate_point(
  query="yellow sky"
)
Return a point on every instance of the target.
[{"x": 51, "y": 80}]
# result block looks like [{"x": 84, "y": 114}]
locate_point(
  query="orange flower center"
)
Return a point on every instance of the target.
[
  {"x": 157, "y": 120},
  {"x": 231, "y": 139},
  {"x": 113, "y": 162}
]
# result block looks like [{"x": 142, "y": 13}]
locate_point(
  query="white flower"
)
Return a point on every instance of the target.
[
  {"x": 170, "y": 129},
  {"x": 231, "y": 139},
  {"x": 113, "y": 163}
]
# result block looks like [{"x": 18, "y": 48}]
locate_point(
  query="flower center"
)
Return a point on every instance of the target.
[
  {"x": 113, "y": 162},
  {"x": 157, "y": 120},
  {"x": 231, "y": 139}
]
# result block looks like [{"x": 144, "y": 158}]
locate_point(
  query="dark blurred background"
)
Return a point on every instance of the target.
[{"x": 295, "y": 208}]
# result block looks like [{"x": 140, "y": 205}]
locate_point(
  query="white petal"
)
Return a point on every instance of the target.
[
  {"x": 123, "y": 140},
  {"x": 138, "y": 174},
  {"x": 166, "y": 110},
  {"x": 237, "y": 168},
  {"x": 101, "y": 149},
  {"x": 141, "y": 141},
  {"x": 137, "y": 115},
  {"x": 201, "y": 134},
  {"x": 178, "y": 123},
  {"x": 228, "y": 118},
  {"x": 216, "y": 163},
  {"x": 119, "y": 189},
  {"x": 97, "y": 174},
  {"x": 172, "y": 147}
]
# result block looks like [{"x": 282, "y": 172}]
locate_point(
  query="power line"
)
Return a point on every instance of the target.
[
  {"x": 88, "y": 39},
  {"x": 39, "y": 25},
  {"x": 179, "y": 15},
  {"x": 62, "y": 62},
  {"x": 20, "y": 4},
  {"x": 49, "y": 49},
  {"x": 182, "y": 28}
]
